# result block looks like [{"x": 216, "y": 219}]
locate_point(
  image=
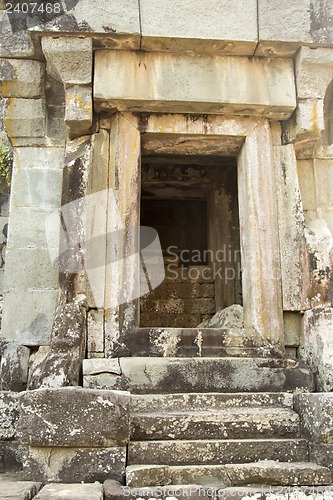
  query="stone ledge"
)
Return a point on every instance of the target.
[
  {"x": 73, "y": 465},
  {"x": 187, "y": 83},
  {"x": 74, "y": 417}
]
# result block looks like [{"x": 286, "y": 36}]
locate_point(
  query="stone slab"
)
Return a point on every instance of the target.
[
  {"x": 36, "y": 187},
  {"x": 291, "y": 230},
  {"x": 317, "y": 324},
  {"x": 314, "y": 69},
  {"x": 74, "y": 416},
  {"x": 71, "y": 492},
  {"x": 9, "y": 413},
  {"x": 41, "y": 158},
  {"x": 149, "y": 475},
  {"x": 212, "y": 26},
  {"x": 15, "y": 44},
  {"x": 220, "y": 424},
  {"x": 79, "y": 110},
  {"x": 292, "y": 328},
  {"x": 165, "y": 375},
  {"x": 285, "y": 26},
  {"x": 118, "y": 23},
  {"x": 214, "y": 401},
  {"x": 18, "y": 490},
  {"x": 69, "y": 59},
  {"x": 193, "y": 83},
  {"x": 96, "y": 366},
  {"x": 33, "y": 325},
  {"x": 21, "y": 78},
  {"x": 36, "y": 273},
  {"x": 321, "y": 454},
  {"x": 224, "y": 451},
  {"x": 25, "y": 118},
  {"x": 74, "y": 465},
  {"x": 27, "y": 229},
  {"x": 266, "y": 472},
  {"x": 316, "y": 412}
]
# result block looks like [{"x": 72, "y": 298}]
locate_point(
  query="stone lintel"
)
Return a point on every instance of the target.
[{"x": 188, "y": 83}]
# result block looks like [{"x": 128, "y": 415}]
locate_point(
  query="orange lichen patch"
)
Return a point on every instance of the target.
[{"x": 314, "y": 119}]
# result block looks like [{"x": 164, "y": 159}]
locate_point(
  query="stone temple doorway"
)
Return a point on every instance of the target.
[
  {"x": 178, "y": 159},
  {"x": 192, "y": 202}
]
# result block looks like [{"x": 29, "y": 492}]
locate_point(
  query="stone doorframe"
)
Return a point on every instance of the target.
[{"x": 248, "y": 138}]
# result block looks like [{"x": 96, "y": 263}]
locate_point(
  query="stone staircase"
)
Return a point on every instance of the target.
[{"x": 226, "y": 438}]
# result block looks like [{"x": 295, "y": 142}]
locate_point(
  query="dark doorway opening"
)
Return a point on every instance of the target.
[{"x": 193, "y": 205}]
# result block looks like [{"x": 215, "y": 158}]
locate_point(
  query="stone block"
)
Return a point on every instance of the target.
[
  {"x": 19, "y": 490},
  {"x": 118, "y": 23},
  {"x": 74, "y": 417},
  {"x": 212, "y": 26},
  {"x": 95, "y": 331},
  {"x": 109, "y": 365},
  {"x": 69, "y": 59},
  {"x": 25, "y": 118},
  {"x": 316, "y": 411},
  {"x": 313, "y": 72},
  {"x": 291, "y": 229},
  {"x": 21, "y": 78},
  {"x": 321, "y": 454},
  {"x": 71, "y": 492},
  {"x": 317, "y": 345},
  {"x": 73, "y": 465},
  {"x": 306, "y": 125},
  {"x": 306, "y": 181},
  {"x": 27, "y": 229},
  {"x": 265, "y": 472},
  {"x": 144, "y": 375},
  {"x": 323, "y": 171},
  {"x": 285, "y": 26},
  {"x": 41, "y": 158},
  {"x": 14, "y": 367},
  {"x": 12, "y": 455},
  {"x": 319, "y": 240},
  {"x": 29, "y": 268},
  {"x": 32, "y": 326},
  {"x": 79, "y": 110},
  {"x": 36, "y": 187},
  {"x": 147, "y": 475},
  {"x": 188, "y": 83},
  {"x": 292, "y": 328},
  {"x": 214, "y": 452},
  {"x": 14, "y": 44},
  {"x": 9, "y": 413}
]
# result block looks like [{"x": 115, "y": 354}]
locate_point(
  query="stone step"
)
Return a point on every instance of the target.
[
  {"x": 212, "y": 401},
  {"x": 201, "y": 452},
  {"x": 178, "y": 375},
  {"x": 115, "y": 491},
  {"x": 267, "y": 472},
  {"x": 187, "y": 342},
  {"x": 236, "y": 423}
]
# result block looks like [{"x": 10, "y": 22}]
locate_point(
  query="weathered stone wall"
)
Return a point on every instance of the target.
[{"x": 82, "y": 97}]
